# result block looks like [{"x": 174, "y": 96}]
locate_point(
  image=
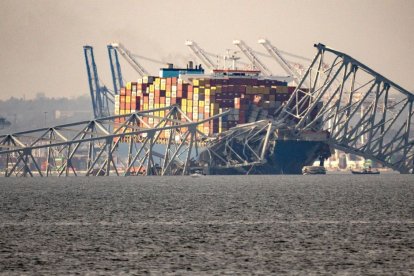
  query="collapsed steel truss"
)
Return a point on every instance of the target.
[
  {"x": 240, "y": 148},
  {"x": 365, "y": 113},
  {"x": 98, "y": 143}
]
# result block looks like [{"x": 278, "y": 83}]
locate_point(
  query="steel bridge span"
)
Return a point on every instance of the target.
[
  {"x": 364, "y": 113},
  {"x": 95, "y": 140}
]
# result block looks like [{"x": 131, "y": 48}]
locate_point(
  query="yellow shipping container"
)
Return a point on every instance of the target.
[
  {"x": 128, "y": 99},
  {"x": 145, "y": 106},
  {"x": 122, "y": 111},
  {"x": 196, "y": 90},
  {"x": 184, "y": 108},
  {"x": 196, "y": 82},
  {"x": 151, "y": 88},
  {"x": 207, "y": 91},
  {"x": 157, "y": 81},
  {"x": 190, "y": 103},
  {"x": 156, "y": 105},
  {"x": 128, "y": 85},
  {"x": 162, "y": 113},
  {"x": 201, "y": 103},
  {"x": 162, "y": 86},
  {"x": 116, "y": 112},
  {"x": 168, "y": 94},
  {"x": 184, "y": 102},
  {"x": 282, "y": 89}
]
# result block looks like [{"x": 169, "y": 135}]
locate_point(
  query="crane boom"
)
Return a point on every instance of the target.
[
  {"x": 248, "y": 52},
  {"x": 275, "y": 53},
  {"x": 99, "y": 95},
  {"x": 115, "y": 69},
  {"x": 201, "y": 54},
  {"x": 130, "y": 59}
]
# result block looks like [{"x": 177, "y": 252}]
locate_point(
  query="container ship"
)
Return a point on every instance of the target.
[{"x": 245, "y": 94}]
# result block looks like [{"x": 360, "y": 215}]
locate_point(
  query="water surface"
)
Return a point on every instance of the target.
[{"x": 304, "y": 225}]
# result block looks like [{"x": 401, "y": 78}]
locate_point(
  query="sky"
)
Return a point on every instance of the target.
[{"x": 41, "y": 41}]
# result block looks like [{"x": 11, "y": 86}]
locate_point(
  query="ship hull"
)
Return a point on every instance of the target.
[{"x": 288, "y": 157}]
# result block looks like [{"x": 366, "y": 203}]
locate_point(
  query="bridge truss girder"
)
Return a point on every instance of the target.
[
  {"x": 365, "y": 113},
  {"x": 240, "y": 148},
  {"x": 58, "y": 146}
]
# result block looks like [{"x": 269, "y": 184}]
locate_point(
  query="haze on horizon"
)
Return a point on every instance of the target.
[{"x": 41, "y": 49}]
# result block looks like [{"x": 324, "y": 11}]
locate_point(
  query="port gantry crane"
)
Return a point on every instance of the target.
[
  {"x": 115, "y": 69},
  {"x": 248, "y": 52},
  {"x": 275, "y": 53},
  {"x": 201, "y": 54},
  {"x": 100, "y": 95},
  {"x": 126, "y": 54}
]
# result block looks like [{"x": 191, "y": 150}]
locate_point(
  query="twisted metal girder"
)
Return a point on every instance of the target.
[
  {"x": 365, "y": 113},
  {"x": 240, "y": 147},
  {"x": 52, "y": 151}
]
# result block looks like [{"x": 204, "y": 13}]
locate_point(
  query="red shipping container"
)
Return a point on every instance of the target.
[{"x": 123, "y": 91}]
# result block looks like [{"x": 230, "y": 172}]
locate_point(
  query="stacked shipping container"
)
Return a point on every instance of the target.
[{"x": 248, "y": 99}]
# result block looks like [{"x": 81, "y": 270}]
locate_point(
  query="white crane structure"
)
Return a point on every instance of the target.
[
  {"x": 126, "y": 54},
  {"x": 249, "y": 53},
  {"x": 275, "y": 53},
  {"x": 201, "y": 54}
]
